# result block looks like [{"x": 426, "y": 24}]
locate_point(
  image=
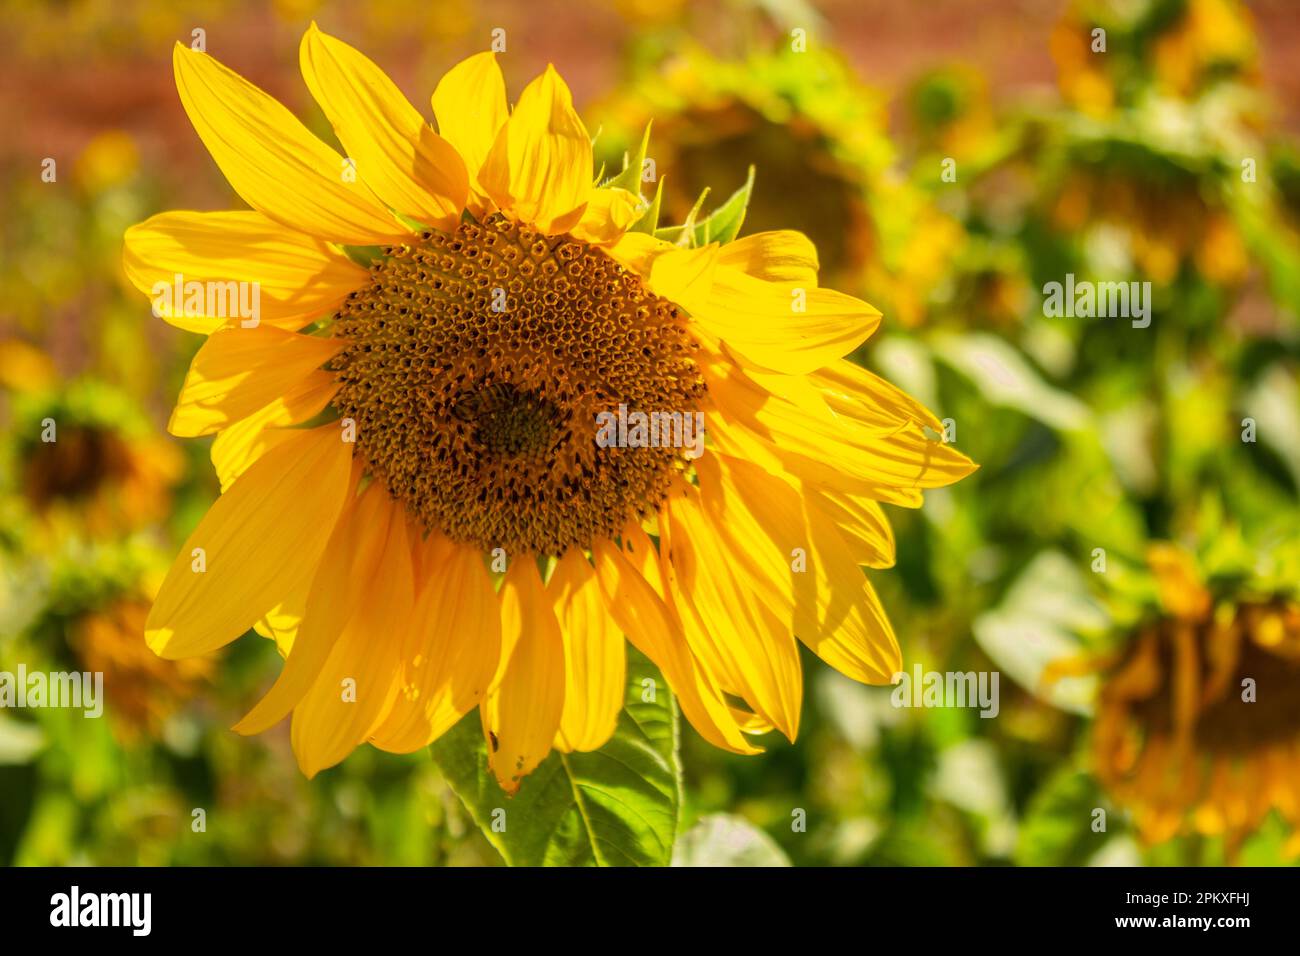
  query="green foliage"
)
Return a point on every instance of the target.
[
  {"x": 616, "y": 806},
  {"x": 725, "y": 840},
  {"x": 1057, "y": 829}
]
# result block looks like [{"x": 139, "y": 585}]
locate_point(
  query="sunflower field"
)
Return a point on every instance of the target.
[{"x": 757, "y": 433}]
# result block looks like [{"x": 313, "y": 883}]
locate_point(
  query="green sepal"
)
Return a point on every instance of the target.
[
  {"x": 649, "y": 220},
  {"x": 630, "y": 177}
]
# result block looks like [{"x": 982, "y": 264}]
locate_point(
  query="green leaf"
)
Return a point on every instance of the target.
[
  {"x": 617, "y": 806},
  {"x": 1005, "y": 378},
  {"x": 1057, "y": 829},
  {"x": 1043, "y": 620},
  {"x": 19, "y": 742}
]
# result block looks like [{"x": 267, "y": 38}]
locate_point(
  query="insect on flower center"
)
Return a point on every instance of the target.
[{"x": 475, "y": 367}]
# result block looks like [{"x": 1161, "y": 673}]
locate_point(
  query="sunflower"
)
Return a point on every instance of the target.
[
  {"x": 142, "y": 689},
  {"x": 416, "y": 502},
  {"x": 1165, "y": 113},
  {"x": 83, "y": 461},
  {"x": 1180, "y": 48},
  {"x": 801, "y": 117},
  {"x": 1198, "y": 720}
]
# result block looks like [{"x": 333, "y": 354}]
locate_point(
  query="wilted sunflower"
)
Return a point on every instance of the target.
[
  {"x": 459, "y": 379},
  {"x": 142, "y": 690},
  {"x": 1109, "y": 52},
  {"x": 1198, "y": 721},
  {"x": 1170, "y": 109}
]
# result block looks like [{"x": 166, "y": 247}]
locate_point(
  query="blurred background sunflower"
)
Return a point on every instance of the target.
[{"x": 1123, "y": 558}]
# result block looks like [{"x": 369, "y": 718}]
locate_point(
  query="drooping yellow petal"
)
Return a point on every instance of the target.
[
  {"x": 522, "y": 714},
  {"x": 782, "y": 326},
  {"x": 640, "y": 613},
  {"x": 235, "y": 260},
  {"x": 861, "y": 521},
  {"x": 280, "y": 624},
  {"x": 594, "y": 658},
  {"x": 356, "y": 688},
  {"x": 609, "y": 213},
  {"x": 539, "y": 169},
  {"x": 450, "y": 650},
  {"x": 239, "y": 371},
  {"x": 742, "y": 639},
  {"x": 342, "y": 581},
  {"x": 785, "y": 423},
  {"x": 242, "y": 443},
  {"x": 470, "y": 106},
  {"x": 274, "y": 162},
  {"x": 661, "y": 576},
  {"x": 253, "y": 546},
  {"x": 779, "y": 256},
  {"x": 397, "y": 154},
  {"x": 866, "y": 398},
  {"x": 798, "y": 561}
]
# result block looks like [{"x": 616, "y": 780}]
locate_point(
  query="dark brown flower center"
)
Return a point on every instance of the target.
[
  {"x": 84, "y": 459},
  {"x": 475, "y": 367},
  {"x": 1260, "y": 644}
]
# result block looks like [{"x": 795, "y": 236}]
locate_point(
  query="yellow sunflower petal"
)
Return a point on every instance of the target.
[
  {"x": 340, "y": 584},
  {"x": 356, "y": 688},
  {"x": 785, "y": 423},
  {"x": 640, "y": 613},
  {"x": 450, "y": 650},
  {"x": 779, "y": 256},
  {"x": 742, "y": 640},
  {"x": 610, "y": 212},
  {"x": 470, "y": 106},
  {"x": 866, "y": 398},
  {"x": 540, "y": 168},
  {"x": 296, "y": 276},
  {"x": 800, "y": 563},
  {"x": 862, "y": 522},
  {"x": 239, "y": 371},
  {"x": 254, "y": 545},
  {"x": 280, "y": 624},
  {"x": 398, "y": 155},
  {"x": 242, "y": 443},
  {"x": 594, "y": 659},
  {"x": 522, "y": 715},
  {"x": 274, "y": 162},
  {"x": 782, "y": 326},
  {"x": 637, "y": 252}
]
